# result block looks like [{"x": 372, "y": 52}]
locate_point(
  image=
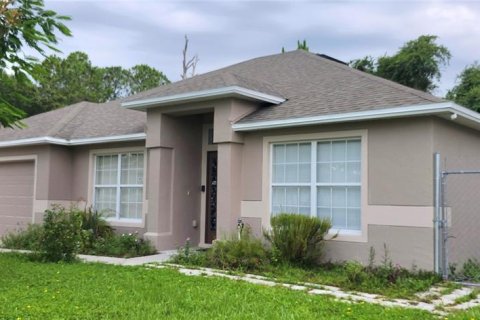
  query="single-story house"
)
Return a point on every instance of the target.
[{"x": 292, "y": 132}]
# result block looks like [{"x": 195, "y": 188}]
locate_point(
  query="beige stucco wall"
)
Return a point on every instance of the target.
[
  {"x": 459, "y": 148},
  {"x": 63, "y": 174},
  {"x": 174, "y": 147},
  {"x": 399, "y": 196}
]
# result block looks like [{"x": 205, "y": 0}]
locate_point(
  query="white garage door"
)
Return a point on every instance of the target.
[{"x": 16, "y": 194}]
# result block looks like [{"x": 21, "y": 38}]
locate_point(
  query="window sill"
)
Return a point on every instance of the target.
[
  {"x": 131, "y": 223},
  {"x": 346, "y": 235}
]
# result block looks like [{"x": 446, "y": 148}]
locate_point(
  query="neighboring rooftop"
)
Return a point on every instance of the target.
[
  {"x": 80, "y": 121},
  {"x": 312, "y": 85}
]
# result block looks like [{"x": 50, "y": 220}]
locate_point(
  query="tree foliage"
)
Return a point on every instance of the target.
[
  {"x": 301, "y": 45},
  {"x": 143, "y": 77},
  {"x": 24, "y": 23},
  {"x": 64, "y": 81},
  {"x": 417, "y": 64},
  {"x": 467, "y": 91}
]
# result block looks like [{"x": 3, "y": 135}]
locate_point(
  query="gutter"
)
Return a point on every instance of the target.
[
  {"x": 394, "y": 112},
  {"x": 72, "y": 142}
]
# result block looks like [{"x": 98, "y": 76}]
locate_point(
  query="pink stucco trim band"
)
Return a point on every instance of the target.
[
  {"x": 231, "y": 91},
  {"x": 72, "y": 142},
  {"x": 466, "y": 116}
]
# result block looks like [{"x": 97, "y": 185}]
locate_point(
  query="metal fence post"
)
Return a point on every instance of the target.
[
  {"x": 437, "y": 213},
  {"x": 444, "y": 226}
]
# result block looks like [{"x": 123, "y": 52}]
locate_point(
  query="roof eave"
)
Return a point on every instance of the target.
[
  {"x": 194, "y": 96},
  {"x": 72, "y": 142},
  {"x": 467, "y": 116}
]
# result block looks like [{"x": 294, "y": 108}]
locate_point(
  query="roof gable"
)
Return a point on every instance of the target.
[{"x": 311, "y": 84}]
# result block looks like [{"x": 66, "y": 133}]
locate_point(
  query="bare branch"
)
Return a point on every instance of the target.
[{"x": 191, "y": 64}]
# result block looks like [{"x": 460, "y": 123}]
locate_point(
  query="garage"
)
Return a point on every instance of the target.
[{"x": 17, "y": 179}]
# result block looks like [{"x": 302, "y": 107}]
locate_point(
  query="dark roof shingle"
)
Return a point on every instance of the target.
[
  {"x": 312, "y": 84},
  {"x": 80, "y": 120}
]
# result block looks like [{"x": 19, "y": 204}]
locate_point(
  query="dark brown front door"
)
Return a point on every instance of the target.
[{"x": 211, "y": 210}]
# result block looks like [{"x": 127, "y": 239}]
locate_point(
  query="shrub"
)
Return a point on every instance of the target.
[
  {"x": 61, "y": 236},
  {"x": 187, "y": 256},
  {"x": 65, "y": 233},
  {"x": 471, "y": 270},
  {"x": 297, "y": 239},
  {"x": 28, "y": 239},
  {"x": 126, "y": 245},
  {"x": 244, "y": 253},
  {"x": 94, "y": 227},
  {"x": 355, "y": 273}
]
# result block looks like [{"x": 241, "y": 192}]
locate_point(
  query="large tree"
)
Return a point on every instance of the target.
[
  {"x": 22, "y": 94},
  {"x": 64, "y": 81},
  {"x": 417, "y": 64},
  {"x": 24, "y": 23},
  {"x": 467, "y": 91},
  {"x": 143, "y": 77}
]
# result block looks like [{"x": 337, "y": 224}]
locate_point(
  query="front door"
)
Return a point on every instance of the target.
[{"x": 211, "y": 209}]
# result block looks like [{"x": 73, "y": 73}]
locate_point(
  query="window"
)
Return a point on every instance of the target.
[
  {"x": 319, "y": 178},
  {"x": 119, "y": 185}
]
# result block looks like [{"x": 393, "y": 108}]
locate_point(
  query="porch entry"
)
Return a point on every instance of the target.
[{"x": 211, "y": 198}]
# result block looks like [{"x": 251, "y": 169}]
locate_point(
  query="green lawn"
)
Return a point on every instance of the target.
[{"x": 31, "y": 290}]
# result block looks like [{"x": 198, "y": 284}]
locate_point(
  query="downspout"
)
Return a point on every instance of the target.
[{"x": 438, "y": 212}]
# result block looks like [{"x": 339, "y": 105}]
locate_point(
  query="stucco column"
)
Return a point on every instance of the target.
[
  {"x": 229, "y": 187},
  {"x": 159, "y": 193}
]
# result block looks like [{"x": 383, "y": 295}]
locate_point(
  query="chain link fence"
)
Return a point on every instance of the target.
[
  {"x": 458, "y": 218},
  {"x": 462, "y": 203}
]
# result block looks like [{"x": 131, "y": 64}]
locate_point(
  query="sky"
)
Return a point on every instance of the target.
[{"x": 130, "y": 32}]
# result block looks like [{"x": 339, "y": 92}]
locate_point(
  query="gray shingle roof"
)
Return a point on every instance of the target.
[
  {"x": 313, "y": 86},
  {"x": 80, "y": 120}
]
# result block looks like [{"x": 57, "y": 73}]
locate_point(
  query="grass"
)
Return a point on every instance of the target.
[
  {"x": 471, "y": 296},
  {"x": 335, "y": 275},
  {"x": 31, "y": 290}
]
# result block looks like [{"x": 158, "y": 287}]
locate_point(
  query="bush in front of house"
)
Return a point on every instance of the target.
[
  {"x": 62, "y": 234},
  {"x": 297, "y": 239},
  {"x": 94, "y": 228},
  {"x": 28, "y": 239},
  {"x": 67, "y": 232},
  {"x": 126, "y": 245},
  {"x": 190, "y": 257},
  {"x": 240, "y": 252}
]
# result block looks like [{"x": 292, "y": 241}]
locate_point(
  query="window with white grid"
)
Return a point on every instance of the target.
[
  {"x": 318, "y": 178},
  {"x": 118, "y": 186}
]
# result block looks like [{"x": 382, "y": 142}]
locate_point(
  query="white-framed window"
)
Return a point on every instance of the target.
[
  {"x": 118, "y": 185},
  {"x": 319, "y": 178}
]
